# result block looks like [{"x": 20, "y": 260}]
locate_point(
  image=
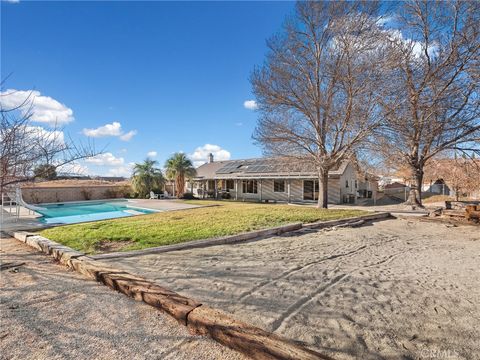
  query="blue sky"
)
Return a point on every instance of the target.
[{"x": 162, "y": 76}]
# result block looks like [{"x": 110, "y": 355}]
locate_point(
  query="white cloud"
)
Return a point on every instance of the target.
[
  {"x": 239, "y": 124},
  {"x": 113, "y": 129},
  {"x": 73, "y": 168},
  {"x": 128, "y": 136},
  {"x": 105, "y": 159},
  {"x": 12, "y": 1},
  {"x": 152, "y": 154},
  {"x": 46, "y": 136},
  {"x": 385, "y": 19},
  {"x": 43, "y": 109},
  {"x": 417, "y": 47},
  {"x": 250, "y": 105},
  {"x": 200, "y": 155}
]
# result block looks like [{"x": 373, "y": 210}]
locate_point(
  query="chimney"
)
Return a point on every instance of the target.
[{"x": 210, "y": 158}]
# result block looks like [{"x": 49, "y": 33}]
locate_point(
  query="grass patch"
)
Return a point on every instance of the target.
[{"x": 229, "y": 218}]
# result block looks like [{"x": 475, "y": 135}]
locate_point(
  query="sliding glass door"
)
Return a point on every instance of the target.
[{"x": 310, "y": 190}]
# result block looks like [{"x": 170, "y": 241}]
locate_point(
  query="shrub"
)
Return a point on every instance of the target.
[
  {"x": 110, "y": 193},
  {"x": 126, "y": 191},
  {"x": 188, "y": 196},
  {"x": 34, "y": 197},
  {"x": 87, "y": 195},
  {"x": 45, "y": 172},
  {"x": 226, "y": 195}
]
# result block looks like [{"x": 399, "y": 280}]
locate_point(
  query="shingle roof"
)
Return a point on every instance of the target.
[{"x": 261, "y": 167}]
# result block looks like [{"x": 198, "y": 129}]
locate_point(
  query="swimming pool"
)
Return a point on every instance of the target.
[{"x": 71, "y": 213}]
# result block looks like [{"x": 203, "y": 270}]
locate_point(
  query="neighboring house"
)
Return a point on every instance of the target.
[
  {"x": 397, "y": 190},
  {"x": 438, "y": 186},
  {"x": 278, "y": 179},
  {"x": 395, "y": 185}
]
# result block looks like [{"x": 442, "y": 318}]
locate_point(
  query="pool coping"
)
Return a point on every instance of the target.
[
  {"x": 82, "y": 201},
  {"x": 49, "y": 226}
]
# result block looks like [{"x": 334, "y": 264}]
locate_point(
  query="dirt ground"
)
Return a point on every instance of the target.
[
  {"x": 396, "y": 289},
  {"x": 48, "y": 312}
]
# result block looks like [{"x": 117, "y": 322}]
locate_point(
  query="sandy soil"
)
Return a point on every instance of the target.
[
  {"x": 397, "y": 289},
  {"x": 48, "y": 312}
]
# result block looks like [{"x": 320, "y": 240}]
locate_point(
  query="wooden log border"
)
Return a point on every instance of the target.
[{"x": 201, "y": 320}]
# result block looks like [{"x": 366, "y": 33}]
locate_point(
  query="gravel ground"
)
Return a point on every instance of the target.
[
  {"x": 48, "y": 312},
  {"x": 395, "y": 289}
]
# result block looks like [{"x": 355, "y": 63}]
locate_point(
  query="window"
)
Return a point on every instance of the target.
[
  {"x": 310, "y": 190},
  {"x": 279, "y": 186},
  {"x": 356, "y": 184},
  {"x": 249, "y": 186},
  {"x": 346, "y": 183},
  {"x": 230, "y": 185},
  {"x": 211, "y": 184}
]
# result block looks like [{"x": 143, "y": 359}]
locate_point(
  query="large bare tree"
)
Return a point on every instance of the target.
[
  {"x": 436, "y": 102},
  {"x": 461, "y": 174},
  {"x": 24, "y": 146},
  {"x": 317, "y": 90}
]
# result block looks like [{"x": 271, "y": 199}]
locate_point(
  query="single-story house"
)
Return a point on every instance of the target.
[{"x": 279, "y": 179}]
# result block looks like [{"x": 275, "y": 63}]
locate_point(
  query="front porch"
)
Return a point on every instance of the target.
[{"x": 286, "y": 190}]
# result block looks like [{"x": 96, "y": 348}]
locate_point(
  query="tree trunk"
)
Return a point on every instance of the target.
[
  {"x": 180, "y": 180},
  {"x": 323, "y": 189},
  {"x": 415, "y": 197},
  {"x": 419, "y": 182}
]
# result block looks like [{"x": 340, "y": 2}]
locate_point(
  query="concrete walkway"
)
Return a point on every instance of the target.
[
  {"x": 48, "y": 312},
  {"x": 26, "y": 221},
  {"x": 396, "y": 289},
  {"x": 163, "y": 204}
]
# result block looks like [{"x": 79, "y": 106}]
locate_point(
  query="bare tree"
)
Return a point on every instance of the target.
[
  {"x": 317, "y": 90},
  {"x": 436, "y": 105},
  {"x": 25, "y": 147},
  {"x": 461, "y": 174}
]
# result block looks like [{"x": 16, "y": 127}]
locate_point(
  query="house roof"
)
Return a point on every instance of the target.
[
  {"x": 395, "y": 185},
  {"x": 262, "y": 168}
]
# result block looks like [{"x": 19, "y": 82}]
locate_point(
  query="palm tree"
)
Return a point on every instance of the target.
[
  {"x": 179, "y": 167},
  {"x": 146, "y": 177}
]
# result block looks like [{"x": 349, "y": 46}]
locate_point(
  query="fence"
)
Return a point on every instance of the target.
[{"x": 37, "y": 195}]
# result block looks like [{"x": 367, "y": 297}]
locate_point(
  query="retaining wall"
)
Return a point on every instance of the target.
[{"x": 37, "y": 195}]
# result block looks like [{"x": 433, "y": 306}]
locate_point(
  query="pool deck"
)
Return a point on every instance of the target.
[
  {"x": 162, "y": 205},
  {"x": 28, "y": 220}
]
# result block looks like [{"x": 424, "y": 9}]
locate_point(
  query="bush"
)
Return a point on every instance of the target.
[
  {"x": 87, "y": 195},
  {"x": 226, "y": 195},
  {"x": 111, "y": 193},
  {"x": 45, "y": 172},
  {"x": 188, "y": 196},
  {"x": 118, "y": 192},
  {"x": 125, "y": 191}
]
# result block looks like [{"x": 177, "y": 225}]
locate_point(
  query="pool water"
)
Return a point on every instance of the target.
[{"x": 71, "y": 213}]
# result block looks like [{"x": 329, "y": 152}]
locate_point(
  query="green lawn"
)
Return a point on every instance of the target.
[{"x": 229, "y": 218}]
